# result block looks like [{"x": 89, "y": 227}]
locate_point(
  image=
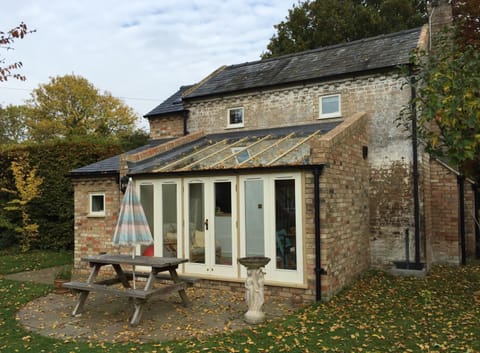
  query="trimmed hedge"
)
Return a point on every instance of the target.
[{"x": 53, "y": 210}]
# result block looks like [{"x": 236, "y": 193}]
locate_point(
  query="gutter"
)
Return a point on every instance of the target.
[{"x": 319, "y": 271}]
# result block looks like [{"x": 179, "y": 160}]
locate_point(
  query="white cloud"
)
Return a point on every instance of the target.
[{"x": 135, "y": 49}]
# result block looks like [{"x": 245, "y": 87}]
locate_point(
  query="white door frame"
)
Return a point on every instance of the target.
[{"x": 209, "y": 267}]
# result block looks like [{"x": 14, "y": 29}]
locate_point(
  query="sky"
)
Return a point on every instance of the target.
[{"x": 140, "y": 51}]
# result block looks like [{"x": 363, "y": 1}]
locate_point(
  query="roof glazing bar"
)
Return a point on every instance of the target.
[
  {"x": 187, "y": 167},
  {"x": 267, "y": 148},
  {"x": 240, "y": 151},
  {"x": 294, "y": 147},
  {"x": 175, "y": 162}
]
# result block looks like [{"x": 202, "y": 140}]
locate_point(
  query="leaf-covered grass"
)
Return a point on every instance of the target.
[
  {"x": 378, "y": 313},
  {"x": 12, "y": 261}
]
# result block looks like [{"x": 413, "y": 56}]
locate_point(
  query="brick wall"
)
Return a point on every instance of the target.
[
  {"x": 391, "y": 212},
  {"x": 380, "y": 94},
  {"x": 344, "y": 207},
  {"x": 166, "y": 126},
  {"x": 94, "y": 234}
]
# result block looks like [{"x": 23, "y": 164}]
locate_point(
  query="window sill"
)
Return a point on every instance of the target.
[
  {"x": 326, "y": 117},
  {"x": 92, "y": 215},
  {"x": 234, "y": 127}
]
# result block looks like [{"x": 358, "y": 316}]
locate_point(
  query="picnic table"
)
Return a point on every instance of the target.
[{"x": 138, "y": 296}]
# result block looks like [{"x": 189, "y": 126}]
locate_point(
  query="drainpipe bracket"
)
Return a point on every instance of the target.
[{"x": 320, "y": 271}]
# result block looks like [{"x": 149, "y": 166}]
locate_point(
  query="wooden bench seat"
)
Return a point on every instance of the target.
[{"x": 124, "y": 292}]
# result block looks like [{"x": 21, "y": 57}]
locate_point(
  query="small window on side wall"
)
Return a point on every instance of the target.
[
  {"x": 330, "y": 106},
  {"x": 97, "y": 205},
  {"x": 235, "y": 117}
]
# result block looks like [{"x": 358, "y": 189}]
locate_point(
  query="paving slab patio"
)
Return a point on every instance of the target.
[{"x": 106, "y": 317}]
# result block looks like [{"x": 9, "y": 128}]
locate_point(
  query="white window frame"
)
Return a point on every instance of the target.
[
  {"x": 231, "y": 126},
  {"x": 336, "y": 114},
  {"x": 91, "y": 212}
]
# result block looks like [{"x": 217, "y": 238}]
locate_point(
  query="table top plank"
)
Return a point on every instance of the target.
[{"x": 152, "y": 261}]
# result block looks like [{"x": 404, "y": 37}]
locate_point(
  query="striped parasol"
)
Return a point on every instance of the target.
[{"x": 132, "y": 227}]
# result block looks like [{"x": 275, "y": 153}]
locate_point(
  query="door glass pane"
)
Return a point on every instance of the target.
[
  {"x": 285, "y": 227},
  {"x": 196, "y": 227},
  {"x": 169, "y": 219},
  {"x": 146, "y": 199},
  {"x": 223, "y": 223},
  {"x": 254, "y": 221}
]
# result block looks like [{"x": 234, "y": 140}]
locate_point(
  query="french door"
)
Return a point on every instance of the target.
[
  {"x": 210, "y": 225},
  {"x": 271, "y": 224},
  {"x": 161, "y": 201}
]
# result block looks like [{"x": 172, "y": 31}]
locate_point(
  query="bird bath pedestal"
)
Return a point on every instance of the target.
[{"x": 254, "y": 287}]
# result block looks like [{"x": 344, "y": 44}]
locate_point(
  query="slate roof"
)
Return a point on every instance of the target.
[
  {"x": 111, "y": 165},
  {"x": 375, "y": 53},
  {"x": 172, "y": 104},
  {"x": 265, "y": 148}
]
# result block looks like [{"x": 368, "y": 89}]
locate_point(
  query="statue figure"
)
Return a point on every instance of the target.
[{"x": 254, "y": 288}]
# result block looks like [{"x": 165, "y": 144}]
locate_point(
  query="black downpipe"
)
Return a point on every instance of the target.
[
  {"x": 319, "y": 271},
  {"x": 461, "y": 217},
  {"x": 416, "y": 198},
  {"x": 476, "y": 196}
]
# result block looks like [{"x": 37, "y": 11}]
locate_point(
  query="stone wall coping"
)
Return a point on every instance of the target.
[{"x": 451, "y": 170}]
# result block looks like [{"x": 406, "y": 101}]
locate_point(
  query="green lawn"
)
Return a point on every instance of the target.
[
  {"x": 12, "y": 261},
  {"x": 378, "y": 313}
]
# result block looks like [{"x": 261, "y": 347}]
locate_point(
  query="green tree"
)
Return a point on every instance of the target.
[
  {"x": 71, "y": 106},
  {"x": 317, "y": 23},
  {"x": 6, "y": 41},
  {"x": 448, "y": 99},
  {"x": 466, "y": 15},
  {"x": 27, "y": 184},
  {"x": 13, "y": 124}
]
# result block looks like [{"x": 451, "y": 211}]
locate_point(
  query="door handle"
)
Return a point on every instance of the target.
[{"x": 206, "y": 224}]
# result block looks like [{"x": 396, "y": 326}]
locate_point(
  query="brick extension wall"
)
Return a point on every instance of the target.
[
  {"x": 344, "y": 207},
  {"x": 445, "y": 241},
  {"x": 94, "y": 234},
  {"x": 344, "y": 212}
]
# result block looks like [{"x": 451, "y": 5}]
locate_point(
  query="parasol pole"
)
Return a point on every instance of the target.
[{"x": 133, "y": 258}]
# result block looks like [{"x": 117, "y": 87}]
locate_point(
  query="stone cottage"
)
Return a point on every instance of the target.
[{"x": 297, "y": 158}]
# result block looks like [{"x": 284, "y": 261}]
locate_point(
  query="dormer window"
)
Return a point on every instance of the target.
[
  {"x": 330, "y": 106},
  {"x": 235, "y": 117}
]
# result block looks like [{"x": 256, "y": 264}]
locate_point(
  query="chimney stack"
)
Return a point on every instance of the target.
[{"x": 439, "y": 16}]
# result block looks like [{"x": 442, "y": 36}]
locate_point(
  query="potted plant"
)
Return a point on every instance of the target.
[{"x": 62, "y": 276}]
